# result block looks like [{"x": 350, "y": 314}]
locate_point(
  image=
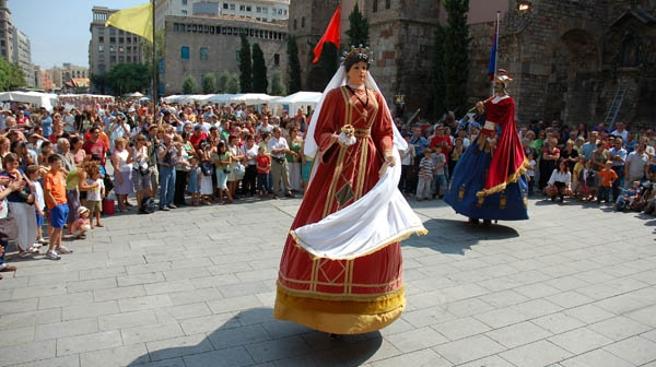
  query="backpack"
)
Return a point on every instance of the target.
[{"x": 148, "y": 206}]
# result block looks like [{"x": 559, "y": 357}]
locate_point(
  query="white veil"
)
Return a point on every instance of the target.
[{"x": 379, "y": 218}]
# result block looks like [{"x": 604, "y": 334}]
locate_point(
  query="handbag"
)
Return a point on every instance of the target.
[
  {"x": 206, "y": 168},
  {"x": 239, "y": 170}
]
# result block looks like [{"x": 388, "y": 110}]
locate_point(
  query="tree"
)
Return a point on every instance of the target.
[
  {"x": 222, "y": 82},
  {"x": 245, "y": 67},
  {"x": 260, "y": 81},
  {"x": 99, "y": 83},
  {"x": 294, "y": 76},
  {"x": 456, "y": 54},
  {"x": 358, "y": 32},
  {"x": 232, "y": 84},
  {"x": 321, "y": 73},
  {"x": 277, "y": 89},
  {"x": 128, "y": 78},
  {"x": 209, "y": 83},
  {"x": 189, "y": 85},
  {"x": 438, "y": 73},
  {"x": 11, "y": 76}
]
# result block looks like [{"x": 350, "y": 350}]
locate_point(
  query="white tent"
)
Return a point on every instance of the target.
[
  {"x": 46, "y": 100},
  {"x": 136, "y": 95},
  {"x": 222, "y": 98},
  {"x": 298, "y": 100},
  {"x": 252, "y": 99}
]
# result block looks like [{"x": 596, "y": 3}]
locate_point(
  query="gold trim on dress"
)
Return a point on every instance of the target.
[{"x": 502, "y": 186}]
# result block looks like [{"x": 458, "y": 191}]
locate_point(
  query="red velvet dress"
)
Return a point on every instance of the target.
[{"x": 345, "y": 296}]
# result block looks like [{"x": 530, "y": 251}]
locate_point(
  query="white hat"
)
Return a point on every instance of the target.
[{"x": 82, "y": 209}]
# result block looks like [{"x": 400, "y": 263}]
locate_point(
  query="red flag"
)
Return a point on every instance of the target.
[{"x": 332, "y": 34}]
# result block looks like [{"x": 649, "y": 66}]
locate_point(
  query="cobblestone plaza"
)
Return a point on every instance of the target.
[{"x": 574, "y": 286}]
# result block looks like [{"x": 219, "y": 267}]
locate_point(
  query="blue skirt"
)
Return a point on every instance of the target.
[{"x": 469, "y": 178}]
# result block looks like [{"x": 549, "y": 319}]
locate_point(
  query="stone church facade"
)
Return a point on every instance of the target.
[{"x": 571, "y": 59}]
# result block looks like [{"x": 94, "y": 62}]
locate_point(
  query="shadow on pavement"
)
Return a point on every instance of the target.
[
  {"x": 253, "y": 336},
  {"x": 455, "y": 236}
]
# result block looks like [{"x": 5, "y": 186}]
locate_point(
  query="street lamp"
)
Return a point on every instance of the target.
[{"x": 519, "y": 18}]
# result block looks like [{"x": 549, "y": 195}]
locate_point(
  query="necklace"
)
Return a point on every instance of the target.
[{"x": 365, "y": 113}]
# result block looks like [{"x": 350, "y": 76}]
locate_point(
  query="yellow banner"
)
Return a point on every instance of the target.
[{"x": 137, "y": 20}]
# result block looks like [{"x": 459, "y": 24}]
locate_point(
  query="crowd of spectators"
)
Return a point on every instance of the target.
[{"x": 60, "y": 170}]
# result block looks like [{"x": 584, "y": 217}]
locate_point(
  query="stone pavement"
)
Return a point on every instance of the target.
[{"x": 575, "y": 286}]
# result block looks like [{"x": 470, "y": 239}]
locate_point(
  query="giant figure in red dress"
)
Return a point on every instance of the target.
[{"x": 363, "y": 290}]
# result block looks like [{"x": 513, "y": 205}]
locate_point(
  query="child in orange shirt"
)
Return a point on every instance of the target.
[
  {"x": 607, "y": 176},
  {"x": 55, "y": 195}
]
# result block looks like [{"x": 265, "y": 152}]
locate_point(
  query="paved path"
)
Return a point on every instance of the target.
[{"x": 575, "y": 286}]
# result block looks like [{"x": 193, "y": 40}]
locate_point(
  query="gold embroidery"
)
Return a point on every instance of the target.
[
  {"x": 333, "y": 184},
  {"x": 503, "y": 200},
  {"x": 338, "y": 296},
  {"x": 345, "y": 194},
  {"x": 461, "y": 193},
  {"x": 502, "y": 186},
  {"x": 362, "y": 169}
]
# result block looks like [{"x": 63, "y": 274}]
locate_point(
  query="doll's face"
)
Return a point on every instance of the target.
[{"x": 357, "y": 74}]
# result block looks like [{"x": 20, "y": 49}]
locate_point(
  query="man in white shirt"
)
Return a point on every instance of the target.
[
  {"x": 278, "y": 147},
  {"x": 634, "y": 168},
  {"x": 618, "y": 156},
  {"x": 621, "y": 131}
]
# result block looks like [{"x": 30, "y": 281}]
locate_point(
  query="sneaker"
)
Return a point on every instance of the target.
[
  {"x": 171, "y": 206},
  {"x": 35, "y": 248},
  {"x": 64, "y": 250},
  {"x": 52, "y": 255},
  {"x": 164, "y": 209}
]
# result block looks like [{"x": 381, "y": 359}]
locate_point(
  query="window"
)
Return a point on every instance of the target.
[
  {"x": 242, "y": 7},
  {"x": 303, "y": 22},
  {"x": 249, "y": 8},
  {"x": 121, "y": 49},
  {"x": 375, "y": 6},
  {"x": 295, "y": 24},
  {"x": 265, "y": 10},
  {"x": 112, "y": 39},
  {"x": 111, "y": 49},
  {"x": 258, "y": 9},
  {"x": 184, "y": 12},
  {"x": 276, "y": 59},
  {"x": 225, "y": 5},
  {"x": 101, "y": 39},
  {"x": 388, "y": 4},
  {"x": 204, "y": 52},
  {"x": 101, "y": 48},
  {"x": 184, "y": 2},
  {"x": 232, "y": 6},
  {"x": 184, "y": 53}
]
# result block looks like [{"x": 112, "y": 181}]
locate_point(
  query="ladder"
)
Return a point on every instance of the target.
[{"x": 615, "y": 106}]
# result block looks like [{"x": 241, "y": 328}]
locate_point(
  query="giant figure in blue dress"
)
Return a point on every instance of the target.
[{"x": 488, "y": 182}]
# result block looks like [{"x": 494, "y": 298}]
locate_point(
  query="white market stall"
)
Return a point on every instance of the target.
[
  {"x": 293, "y": 102},
  {"x": 46, "y": 100}
]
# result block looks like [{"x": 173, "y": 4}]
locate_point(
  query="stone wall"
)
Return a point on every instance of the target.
[{"x": 221, "y": 39}]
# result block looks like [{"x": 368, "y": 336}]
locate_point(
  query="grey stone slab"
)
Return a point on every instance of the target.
[
  {"x": 141, "y": 278},
  {"x": 67, "y": 361},
  {"x": 169, "y": 287},
  {"x": 468, "y": 349},
  {"x": 195, "y": 296},
  {"x": 619, "y": 328},
  {"x": 111, "y": 294},
  {"x": 209, "y": 323},
  {"x": 90, "y": 285},
  {"x": 65, "y": 300},
  {"x": 518, "y": 334},
  {"x": 277, "y": 349},
  {"x": 492, "y": 361},
  {"x": 144, "y": 303},
  {"x": 461, "y": 328},
  {"x": 19, "y": 305},
  {"x": 149, "y": 333},
  {"x": 66, "y": 328},
  {"x": 244, "y": 335},
  {"x": 589, "y": 313},
  {"x": 636, "y": 350},
  {"x": 596, "y": 358},
  {"x": 646, "y": 316},
  {"x": 84, "y": 311},
  {"x": 179, "y": 347},
  {"x": 414, "y": 340},
  {"x": 16, "y": 354},
  {"x": 127, "y": 320},
  {"x": 230, "y": 357},
  {"x": 538, "y": 354},
  {"x": 88, "y": 342},
  {"x": 18, "y": 336},
  {"x": 422, "y": 358},
  {"x": 580, "y": 340},
  {"x": 558, "y": 322},
  {"x": 235, "y": 304},
  {"x": 116, "y": 357}
]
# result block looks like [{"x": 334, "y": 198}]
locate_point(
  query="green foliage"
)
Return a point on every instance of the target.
[
  {"x": 99, "y": 83},
  {"x": 189, "y": 85},
  {"x": 222, "y": 82},
  {"x": 128, "y": 78},
  {"x": 294, "y": 76},
  {"x": 438, "y": 73},
  {"x": 260, "y": 82},
  {"x": 321, "y": 73},
  {"x": 277, "y": 89},
  {"x": 209, "y": 83},
  {"x": 232, "y": 84},
  {"x": 358, "y": 32},
  {"x": 11, "y": 76},
  {"x": 245, "y": 67},
  {"x": 456, "y": 54}
]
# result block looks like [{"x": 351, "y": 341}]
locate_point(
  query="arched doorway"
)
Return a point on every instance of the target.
[{"x": 573, "y": 84}]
